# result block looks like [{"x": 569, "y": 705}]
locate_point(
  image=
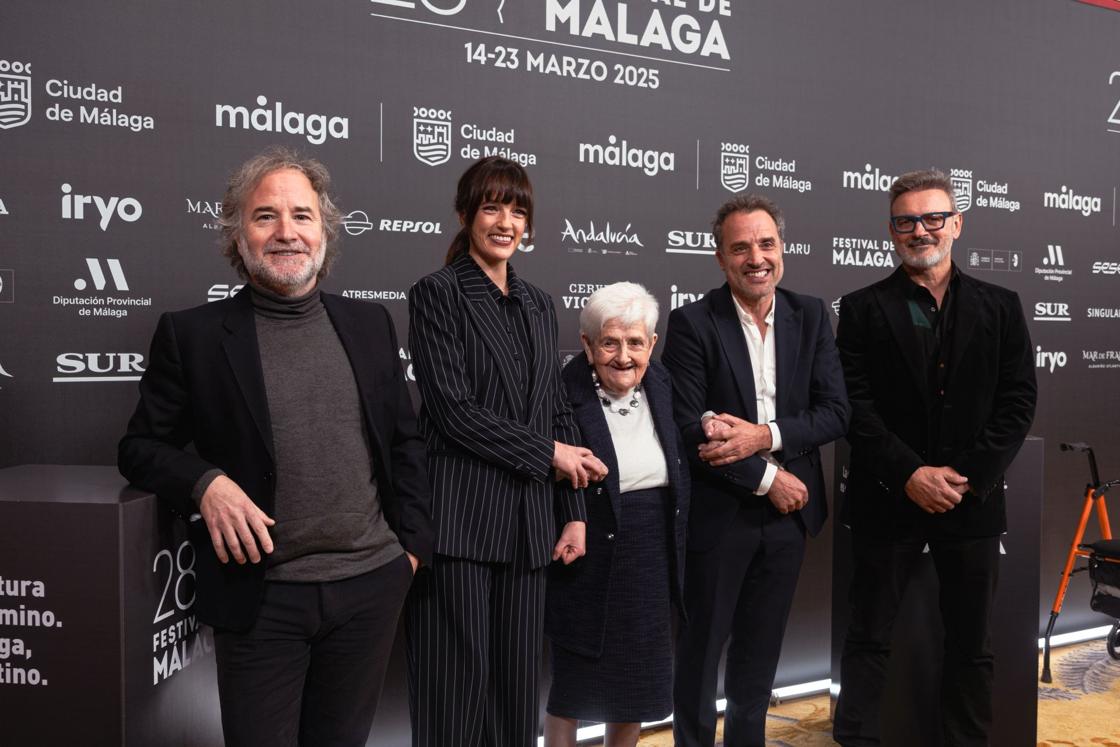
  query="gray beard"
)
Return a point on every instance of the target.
[{"x": 923, "y": 261}]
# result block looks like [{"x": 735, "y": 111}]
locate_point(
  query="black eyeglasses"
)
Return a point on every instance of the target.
[{"x": 931, "y": 221}]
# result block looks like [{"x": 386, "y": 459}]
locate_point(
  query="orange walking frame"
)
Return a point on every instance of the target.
[{"x": 1106, "y": 551}]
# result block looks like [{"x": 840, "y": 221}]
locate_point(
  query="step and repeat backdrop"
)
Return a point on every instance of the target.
[{"x": 120, "y": 121}]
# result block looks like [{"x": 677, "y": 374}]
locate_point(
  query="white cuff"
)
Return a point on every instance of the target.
[
  {"x": 775, "y": 436},
  {"x": 767, "y": 479}
]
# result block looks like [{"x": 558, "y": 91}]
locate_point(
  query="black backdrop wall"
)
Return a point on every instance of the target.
[{"x": 119, "y": 122}]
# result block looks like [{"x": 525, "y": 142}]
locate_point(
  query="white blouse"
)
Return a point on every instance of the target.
[{"x": 641, "y": 462}]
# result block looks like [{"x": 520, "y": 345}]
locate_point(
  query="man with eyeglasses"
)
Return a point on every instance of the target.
[{"x": 940, "y": 376}]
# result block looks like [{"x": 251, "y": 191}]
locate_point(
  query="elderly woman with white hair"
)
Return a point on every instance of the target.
[{"x": 608, "y": 614}]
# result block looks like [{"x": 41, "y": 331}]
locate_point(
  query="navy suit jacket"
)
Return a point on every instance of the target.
[
  {"x": 488, "y": 465},
  {"x": 708, "y": 358},
  {"x": 985, "y": 414},
  {"x": 576, "y": 615},
  {"x": 204, "y": 386}
]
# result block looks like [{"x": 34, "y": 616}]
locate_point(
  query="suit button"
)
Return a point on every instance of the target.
[
  {"x": 678, "y": 512},
  {"x": 610, "y": 535},
  {"x": 598, "y": 491},
  {"x": 678, "y": 460}
]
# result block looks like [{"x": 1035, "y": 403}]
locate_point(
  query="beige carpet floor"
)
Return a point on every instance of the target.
[{"x": 1081, "y": 708}]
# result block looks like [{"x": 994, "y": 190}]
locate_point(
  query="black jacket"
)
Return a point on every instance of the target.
[
  {"x": 707, "y": 355},
  {"x": 987, "y": 408},
  {"x": 204, "y": 386}
]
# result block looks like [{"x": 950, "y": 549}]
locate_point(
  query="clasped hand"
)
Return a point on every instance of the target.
[
  {"x": 936, "y": 489},
  {"x": 731, "y": 439},
  {"x": 577, "y": 464}
]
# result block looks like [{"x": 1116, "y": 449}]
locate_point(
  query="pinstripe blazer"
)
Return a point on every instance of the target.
[{"x": 487, "y": 465}]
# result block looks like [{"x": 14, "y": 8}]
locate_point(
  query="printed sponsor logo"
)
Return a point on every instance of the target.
[
  {"x": 211, "y": 211},
  {"x": 431, "y": 135},
  {"x": 850, "y": 251},
  {"x": 1049, "y": 361},
  {"x": 74, "y": 206},
  {"x": 3, "y": 207},
  {"x": 397, "y": 225},
  {"x": 94, "y": 107},
  {"x": 273, "y": 118},
  {"x": 684, "y": 33},
  {"x": 7, "y": 286},
  {"x": 1053, "y": 267},
  {"x": 1051, "y": 311},
  {"x": 356, "y": 222},
  {"x": 734, "y": 166},
  {"x": 578, "y": 293},
  {"x": 107, "y": 277},
  {"x": 376, "y": 295},
  {"x": 962, "y": 186},
  {"x": 1106, "y": 268},
  {"x": 869, "y": 179},
  {"x": 678, "y": 298},
  {"x": 1067, "y": 199},
  {"x": 1004, "y": 260},
  {"x": 988, "y": 194},
  {"x": 99, "y": 368},
  {"x": 601, "y": 238},
  {"x": 15, "y": 94},
  {"x": 623, "y": 154},
  {"x": 5, "y": 374},
  {"x": 836, "y": 306},
  {"x": 690, "y": 242},
  {"x": 673, "y": 29},
  {"x": 1102, "y": 312},
  {"x": 222, "y": 291},
  {"x": 1101, "y": 358},
  {"x": 431, "y": 139}
]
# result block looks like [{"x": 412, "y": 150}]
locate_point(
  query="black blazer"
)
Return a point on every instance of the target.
[
  {"x": 708, "y": 357},
  {"x": 204, "y": 385},
  {"x": 989, "y": 403},
  {"x": 487, "y": 465},
  {"x": 576, "y": 607}
]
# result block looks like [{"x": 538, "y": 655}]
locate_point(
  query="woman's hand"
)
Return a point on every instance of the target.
[{"x": 572, "y": 543}]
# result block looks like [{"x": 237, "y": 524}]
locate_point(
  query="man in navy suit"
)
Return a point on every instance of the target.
[{"x": 757, "y": 388}]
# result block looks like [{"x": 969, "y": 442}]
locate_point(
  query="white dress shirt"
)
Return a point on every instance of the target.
[
  {"x": 764, "y": 367},
  {"x": 641, "y": 461}
]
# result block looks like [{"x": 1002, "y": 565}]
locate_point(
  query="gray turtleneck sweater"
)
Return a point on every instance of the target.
[{"x": 329, "y": 524}]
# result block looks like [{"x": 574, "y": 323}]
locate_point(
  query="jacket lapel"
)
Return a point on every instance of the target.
[
  {"x": 244, "y": 356},
  {"x": 897, "y": 313},
  {"x": 588, "y": 411},
  {"x": 730, "y": 333},
  {"x": 362, "y": 365},
  {"x": 539, "y": 359},
  {"x": 787, "y": 348},
  {"x": 486, "y": 318},
  {"x": 659, "y": 396},
  {"x": 970, "y": 298}
]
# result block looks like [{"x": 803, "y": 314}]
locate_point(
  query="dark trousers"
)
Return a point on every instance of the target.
[
  {"x": 967, "y": 571},
  {"x": 475, "y": 634},
  {"x": 742, "y": 588},
  {"x": 310, "y": 670}
]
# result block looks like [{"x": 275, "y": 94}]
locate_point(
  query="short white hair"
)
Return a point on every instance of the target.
[{"x": 628, "y": 303}]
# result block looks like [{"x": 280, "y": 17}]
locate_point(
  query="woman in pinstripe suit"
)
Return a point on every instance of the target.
[{"x": 497, "y": 424}]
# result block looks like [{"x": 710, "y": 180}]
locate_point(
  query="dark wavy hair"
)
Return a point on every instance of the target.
[
  {"x": 491, "y": 179},
  {"x": 250, "y": 174},
  {"x": 747, "y": 203}
]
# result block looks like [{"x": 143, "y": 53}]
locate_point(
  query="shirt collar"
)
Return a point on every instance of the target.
[
  {"x": 745, "y": 316},
  {"x": 516, "y": 287}
]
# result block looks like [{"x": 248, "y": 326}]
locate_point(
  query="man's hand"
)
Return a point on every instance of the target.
[
  {"x": 572, "y": 543},
  {"x": 936, "y": 489},
  {"x": 736, "y": 439},
  {"x": 234, "y": 522},
  {"x": 414, "y": 560},
  {"x": 787, "y": 492},
  {"x": 577, "y": 464}
]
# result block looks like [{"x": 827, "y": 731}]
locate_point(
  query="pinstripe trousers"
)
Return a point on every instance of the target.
[{"x": 475, "y": 634}]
